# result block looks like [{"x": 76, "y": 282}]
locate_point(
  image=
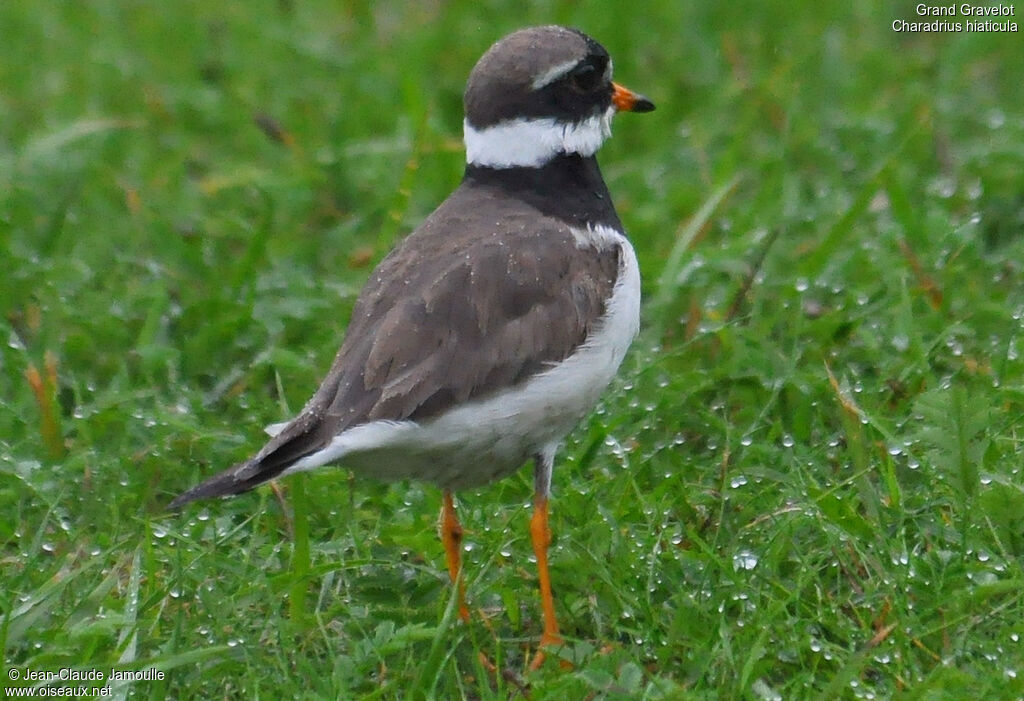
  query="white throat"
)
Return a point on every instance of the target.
[{"x": 532, "y": 142}]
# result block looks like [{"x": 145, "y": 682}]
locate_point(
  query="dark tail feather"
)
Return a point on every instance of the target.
[
  {"x": 235, "y": 480},
  {"x": 298, "y": 439}
]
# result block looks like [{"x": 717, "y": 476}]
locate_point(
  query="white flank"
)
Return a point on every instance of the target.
[
  {"x": 533, "y": 142},
  {"x": 480, "y": 441},
  {"x": 274, "y": 429}
]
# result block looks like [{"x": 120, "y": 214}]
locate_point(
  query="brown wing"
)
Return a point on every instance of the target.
[
  {"x": 466, "y": 306},
  {"x": 479, "y": 324}
]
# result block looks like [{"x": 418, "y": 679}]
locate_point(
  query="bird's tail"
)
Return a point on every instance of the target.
[
  {"x": 234, "y": 480},
  {"x": 290, "y": 442}
]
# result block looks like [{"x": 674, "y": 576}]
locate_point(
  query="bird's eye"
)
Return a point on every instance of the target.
[{"x": 585, "y": 78}]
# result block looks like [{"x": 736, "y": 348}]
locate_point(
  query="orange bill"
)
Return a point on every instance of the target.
[{"x": 625, "y": 100}]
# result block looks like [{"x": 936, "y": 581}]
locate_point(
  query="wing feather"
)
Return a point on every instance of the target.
[{"x": 463, "y": 308}]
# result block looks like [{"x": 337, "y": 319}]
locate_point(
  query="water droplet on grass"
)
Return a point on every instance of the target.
[
  {"x": 738, "y": 481},
  {"x": 744, "y": 560},
  {"x": 943, "y": 186}
]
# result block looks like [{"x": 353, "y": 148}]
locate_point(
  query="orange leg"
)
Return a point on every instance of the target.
[
  {"x": 540, "y": 534},
  {"x": 451, "y": 536}
]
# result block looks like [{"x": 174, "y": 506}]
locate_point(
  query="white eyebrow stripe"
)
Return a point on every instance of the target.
[{"x": 554, "y": 73}]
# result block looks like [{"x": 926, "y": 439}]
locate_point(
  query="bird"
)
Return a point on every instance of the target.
[{"x": 493, "y": 328}]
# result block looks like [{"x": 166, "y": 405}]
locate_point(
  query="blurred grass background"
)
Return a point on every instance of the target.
[{"x": 806, "y": 483}]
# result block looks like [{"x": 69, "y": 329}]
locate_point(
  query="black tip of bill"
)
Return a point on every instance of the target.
[
  {"x": 625, "y": 100},
  {"x": 643, "y": 104}
]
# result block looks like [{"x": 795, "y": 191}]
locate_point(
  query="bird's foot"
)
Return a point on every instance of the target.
[{"x": 548, "y": 640}]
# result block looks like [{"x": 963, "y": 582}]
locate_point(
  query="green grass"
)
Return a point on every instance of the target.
[{"x": 805, "y": 484}]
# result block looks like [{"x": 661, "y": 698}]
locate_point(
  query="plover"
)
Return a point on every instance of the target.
[{"x": 493, "y": 328}]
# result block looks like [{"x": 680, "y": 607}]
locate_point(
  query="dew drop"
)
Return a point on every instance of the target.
[{"x": 744, "y": 560}]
